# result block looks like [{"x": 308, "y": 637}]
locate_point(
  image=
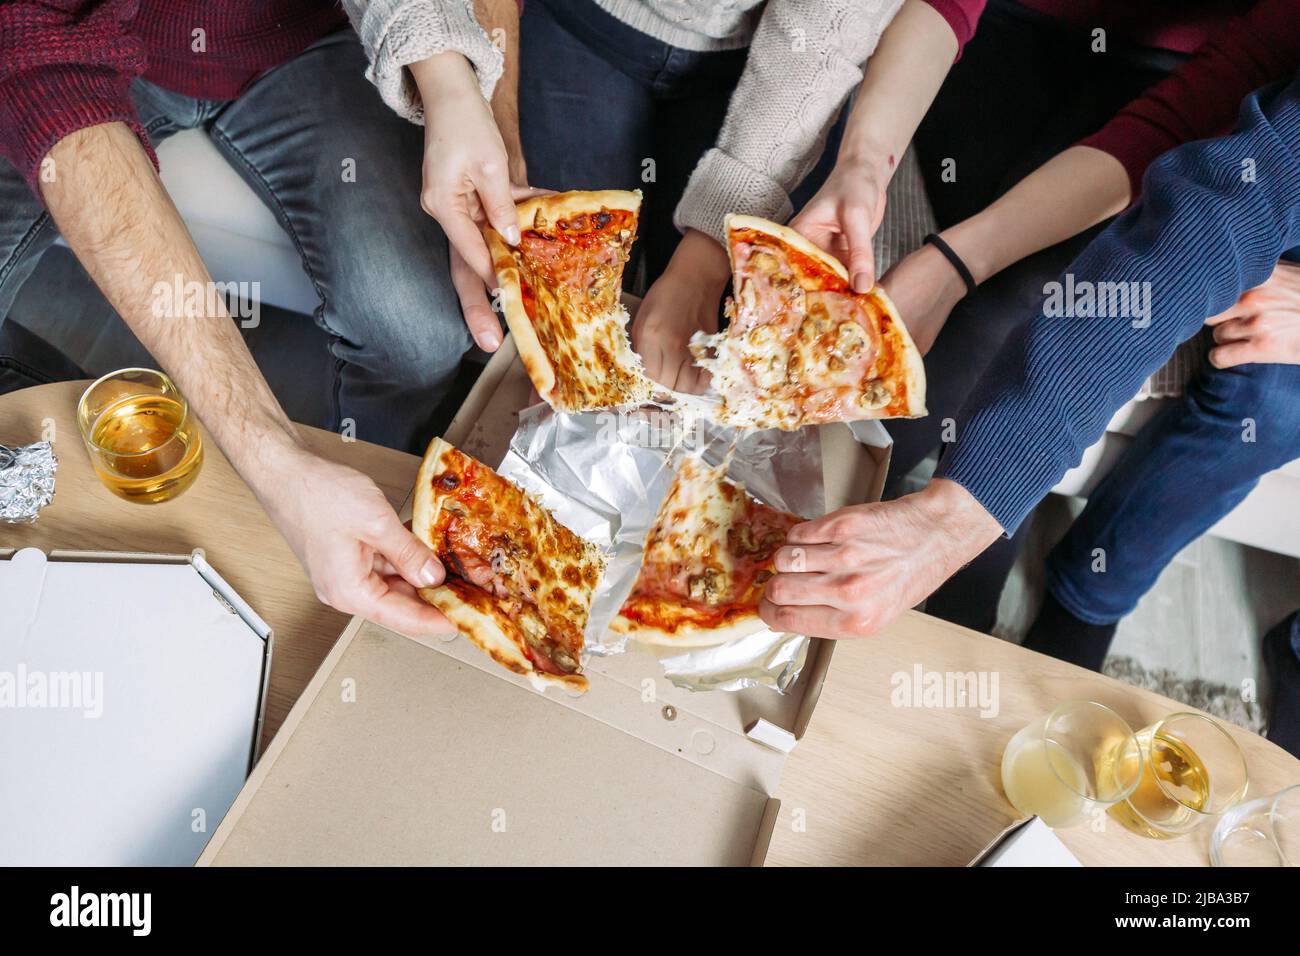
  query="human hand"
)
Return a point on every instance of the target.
[
  {"x": 925, "y": 287},
  {"x": 359, "y": 556},
  {"x": 843, "y": 216},
  {"x": 467, "y": 183},
  {"x": 852, "y": 572},
  {"x": 682, "y": 301},
  {"x": 1263, "y": 325}
]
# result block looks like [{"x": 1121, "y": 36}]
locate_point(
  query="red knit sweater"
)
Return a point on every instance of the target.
[{"x": 68, "y": 64}]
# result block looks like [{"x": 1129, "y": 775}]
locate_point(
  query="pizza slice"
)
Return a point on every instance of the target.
[
  {"x": 706, "y": 560},
  {"x": 519, "y": 584},
  {"x": 802, "y": 347},
  {"x": 560, "y": 291}
]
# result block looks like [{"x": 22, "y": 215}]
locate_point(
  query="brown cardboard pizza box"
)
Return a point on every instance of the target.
[{"x": 423, "y": 751}]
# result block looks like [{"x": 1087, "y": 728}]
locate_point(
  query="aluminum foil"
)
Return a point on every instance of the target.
[
  {"x": 26, "y": 481},
  {"x": 604, "y": 474}
]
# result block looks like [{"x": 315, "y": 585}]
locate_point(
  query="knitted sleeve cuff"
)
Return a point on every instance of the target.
[
  {"x": 38, "y": 108},
  {"x": 722, "y": 184},
  {"x": 396, "y": 33}
]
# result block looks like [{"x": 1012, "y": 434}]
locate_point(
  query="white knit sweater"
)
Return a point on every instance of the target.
[{"x": 805, "y": 57}]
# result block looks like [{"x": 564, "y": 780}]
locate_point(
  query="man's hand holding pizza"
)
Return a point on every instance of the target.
[
  {"x": 851, "y": 572},
  {"x": 1263, "y": 325},
  {"x": 361, "y": 559}
]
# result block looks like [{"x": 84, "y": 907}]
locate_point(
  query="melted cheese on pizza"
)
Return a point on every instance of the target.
[
  {"x": 708, "y": 555},
  {"x": 508, "y": 557},
  {"x": 802, "y": 348},
  {"x": 571, "y": 274}
]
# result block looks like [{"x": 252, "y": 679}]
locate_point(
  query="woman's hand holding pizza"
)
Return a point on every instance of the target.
[
  {"x": 925, "y": 288},
  {"x": 1264, "y": 325},
  {"x": 843, "y": 216},
  {"x": 852, "y": 572},
  {"x": 467, "y": 182},
  {"x": 682, "y": 301}
]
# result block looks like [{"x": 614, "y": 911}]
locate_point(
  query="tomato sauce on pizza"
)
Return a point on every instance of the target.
[
  {"x": 507, "y": 558},
  {"x": 568, "y": 321},
  {"x": 706, "y": 561}
]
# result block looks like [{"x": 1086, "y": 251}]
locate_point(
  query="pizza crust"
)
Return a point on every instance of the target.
[
  {"x": 688, "y": 635},
  {"x": 536, "y": 362},
  {"x": 482, "y": 629},
  {"x": 485, "y": 632},
  {"x": 556, "y": 206},
  {"x": 912, "y": 363},
  {"x": 789, "y": 237}
]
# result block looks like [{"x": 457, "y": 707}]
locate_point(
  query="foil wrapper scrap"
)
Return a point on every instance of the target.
[
  {"x": 26, "y": 481},
  {"x": 604, "y": 475}
]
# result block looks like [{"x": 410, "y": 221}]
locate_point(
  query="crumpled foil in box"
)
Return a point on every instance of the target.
[
  {"x": 26, "y": 481},
  {"x": 604, "y": 474}
]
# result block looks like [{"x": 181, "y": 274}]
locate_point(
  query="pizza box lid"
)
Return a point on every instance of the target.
[
  {"x": 96, "y": 645},
  {"x": 419, "y": 751}
]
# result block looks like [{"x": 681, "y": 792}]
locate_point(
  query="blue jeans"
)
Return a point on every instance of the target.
[
  {"x": 378, "y": 263},
  {"x": 1186, "y": 469},
  {"x": 599, "y": 101}
]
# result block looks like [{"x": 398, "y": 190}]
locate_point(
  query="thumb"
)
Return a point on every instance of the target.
[
  {"x": 494, "y": 192},
  {"x": 412, "y": 558}
]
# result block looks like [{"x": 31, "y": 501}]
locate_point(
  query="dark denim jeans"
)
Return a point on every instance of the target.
[
  {"x": 599, "y": 102},
  {"x": 378, "y": 263},
  {"x": 1186, "y": 469}
]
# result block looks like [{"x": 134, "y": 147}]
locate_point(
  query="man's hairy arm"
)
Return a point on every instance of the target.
[
  {"x": 116, "y": 216},
  {"x": 113, "y": 211}
]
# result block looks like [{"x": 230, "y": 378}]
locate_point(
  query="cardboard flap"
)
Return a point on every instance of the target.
[
  {"x": 407, "y": 755},
  {"x": 131, "y": 701}
]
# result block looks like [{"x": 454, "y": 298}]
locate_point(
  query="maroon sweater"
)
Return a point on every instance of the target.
[
  {"x": 1236, "y": 46},
  {"x": 68, "y": 64}
]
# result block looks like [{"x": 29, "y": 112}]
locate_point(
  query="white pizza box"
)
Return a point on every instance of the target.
[
  {"x": 132, "y": 693},
  {"x": 424, "y": 751},
  {"x": 1028, "y": 842}
]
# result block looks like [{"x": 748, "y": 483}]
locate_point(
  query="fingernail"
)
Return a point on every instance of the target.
[
  {"x": 430, "y": 573},
  {"x": 862, "y": 282},
  {"x": 491, "y": 340},
  {"x": 512, "y": 235}
]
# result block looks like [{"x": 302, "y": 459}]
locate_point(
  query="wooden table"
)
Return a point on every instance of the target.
[
  {"x": 218, "y": 513},
  {"x": 870, "y": 783},
  {"x": 914, "y": 786}
]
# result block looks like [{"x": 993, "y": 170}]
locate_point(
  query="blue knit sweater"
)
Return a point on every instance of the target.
[{"x": 1214, "y": 219}]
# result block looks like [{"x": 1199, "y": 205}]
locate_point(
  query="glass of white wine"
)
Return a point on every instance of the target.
[
  {"x": 1075, "y": 762},
  {"x": 143, "y": 441},
  {"x": 1263, "y": 832},
  {"x": 1192, "y": 771}
]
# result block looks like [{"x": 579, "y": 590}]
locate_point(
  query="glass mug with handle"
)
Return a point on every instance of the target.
[
  {"x": 1077, "y": 761},
  {"x": 1193, "y": 771},
  {"x": 1263, "y": 832},
  {"x": 143, "y": 441}
]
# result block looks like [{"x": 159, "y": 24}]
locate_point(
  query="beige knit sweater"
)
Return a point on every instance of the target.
[{"x": 805, "y": 57}]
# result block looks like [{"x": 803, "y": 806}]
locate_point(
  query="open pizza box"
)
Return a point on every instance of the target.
[
  {"x": 424, "y": 751},
  {"x": 132, "y": 695}
]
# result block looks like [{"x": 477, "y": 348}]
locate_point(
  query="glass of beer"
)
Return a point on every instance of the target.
[
  {"x": 1263, "y": 832},
  {"x": 1075, "y": 762},
  {"x": 144, "y": 444},
  {"x": 1192, "y": 771}
]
